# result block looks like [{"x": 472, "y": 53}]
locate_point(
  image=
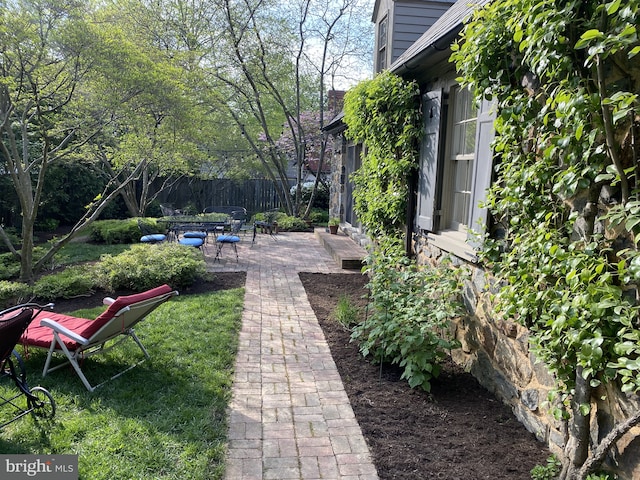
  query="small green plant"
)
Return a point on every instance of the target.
[
  {"x": 410, "y": 316},
  {"x": 333, "y": 221},
  {"x": 346, "y": 313},
  {"x": 550, "y": 471}
]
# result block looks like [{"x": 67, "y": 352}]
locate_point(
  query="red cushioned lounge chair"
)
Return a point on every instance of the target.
[{"x": 78, "y": 338}]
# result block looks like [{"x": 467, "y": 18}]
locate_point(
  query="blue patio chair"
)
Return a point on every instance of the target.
[
  {"x": 148, "y": 236},
  {"x": 196, "y": 236},
  {"x": 237, "y": 221},
  {"x": 192, "y": 242}
]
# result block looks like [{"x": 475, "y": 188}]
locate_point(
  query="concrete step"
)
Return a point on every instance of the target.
[{"x": 344, "y": 250}]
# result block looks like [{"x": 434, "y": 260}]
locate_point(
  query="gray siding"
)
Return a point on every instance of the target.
[{"x": 411, "y": 20}]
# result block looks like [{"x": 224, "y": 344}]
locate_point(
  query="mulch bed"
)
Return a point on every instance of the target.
[{"x": 458, "y": 431}]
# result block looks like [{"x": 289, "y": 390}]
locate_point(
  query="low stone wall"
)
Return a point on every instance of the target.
[{"x": 496, "y": 352}]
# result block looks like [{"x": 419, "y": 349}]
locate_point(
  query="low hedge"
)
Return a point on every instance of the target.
[
  {"x": 139, "y": 268},
  {"x": 147, "y": 266},
  {"x": 123, "y": 231},
  {"x": 13, "y": 293},
  {"x": 73, "y": 281}
]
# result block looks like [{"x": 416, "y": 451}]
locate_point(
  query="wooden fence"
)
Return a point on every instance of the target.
[{"x": 256, "y": 195}]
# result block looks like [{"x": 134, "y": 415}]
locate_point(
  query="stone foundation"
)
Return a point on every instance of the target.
[{"x": 496, "y": 352}]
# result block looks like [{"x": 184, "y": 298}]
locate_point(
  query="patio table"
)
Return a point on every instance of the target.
[{"x": 208, "y": 223}]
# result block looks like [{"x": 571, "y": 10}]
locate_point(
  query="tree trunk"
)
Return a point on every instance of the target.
[
  {"x": 577, "y": 448},
  {"x": 26, "y": 253},
  {"x": 596, "y": 459}
]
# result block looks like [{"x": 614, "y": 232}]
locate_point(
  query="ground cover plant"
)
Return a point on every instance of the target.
[{"x": 165, "y": 418}]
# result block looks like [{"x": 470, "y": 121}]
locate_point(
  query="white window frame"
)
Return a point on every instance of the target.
[
  {"x": 382, "y": 50},
  {"x": 434, "y": 209},
  {"x": 462, "y": 115}
]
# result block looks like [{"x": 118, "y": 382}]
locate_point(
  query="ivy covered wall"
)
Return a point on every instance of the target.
[{"x": 554, "y": 328}]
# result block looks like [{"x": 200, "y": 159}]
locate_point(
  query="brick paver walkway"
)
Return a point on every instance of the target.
[{"x": 289, "y": 417}]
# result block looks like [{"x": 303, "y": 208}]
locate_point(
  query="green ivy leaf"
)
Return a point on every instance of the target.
[
  {"x": 612, "y": 7},
  {"x": 585, "y": 409},
  {"x": 587, "y": 36}
]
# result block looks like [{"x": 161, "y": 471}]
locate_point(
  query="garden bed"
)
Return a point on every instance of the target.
[{"x": 459, "y": 431}]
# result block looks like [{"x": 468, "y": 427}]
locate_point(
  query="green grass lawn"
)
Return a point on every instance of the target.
[{"x": 165, "y": 419}]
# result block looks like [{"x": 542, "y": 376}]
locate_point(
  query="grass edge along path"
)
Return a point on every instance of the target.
[{"x": 165, "y": 419}]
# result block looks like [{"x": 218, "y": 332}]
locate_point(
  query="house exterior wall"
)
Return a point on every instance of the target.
[
  {"x": 494, "y": 349},
  {"x": 496, "y": 352},
  {"x": 383, "y": 12},
  {"x": 336, "y": 185},
  {"x": 406, "y": 22},
  {"x": 411, "y": 20}
]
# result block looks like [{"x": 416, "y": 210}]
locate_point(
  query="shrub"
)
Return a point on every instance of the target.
[
  {"x": 14, "y": 236},
  {"x": 321, "y": 200},
  {"x": 13, "y": 293},
  {"x": 115, "y": 231},
  {"x": 9, "y": 266},
  {"x": 123, "y": 231},
  {"x": 146, "y": 266},
  {"x": 73, "y": 281},
  {"x": 46, "y": 225},
  {"x": 291, "y": 224},
  {"x": 319, "y": 216},
  {"x": 409, "y": 321}
]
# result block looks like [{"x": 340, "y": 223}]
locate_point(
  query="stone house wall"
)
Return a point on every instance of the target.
[{"x": 496, "y": 352}]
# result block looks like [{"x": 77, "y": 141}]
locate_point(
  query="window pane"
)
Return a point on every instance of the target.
[
  {"x": 461, "y": 191},
  {"x": 458, "y": 135},
  {"x": 470, "y": 137},
  {"x": 462, "y": 148},
  {"x": 462, "y": 179},
  {"x": 460, "y": 208},
  {"x": 382, "y": 34},
  {"x": 382, "y": 59},
  {"x": 459, "y": 108}
]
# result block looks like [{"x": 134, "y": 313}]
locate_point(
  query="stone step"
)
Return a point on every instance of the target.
[{"x": 344, "y": 250}]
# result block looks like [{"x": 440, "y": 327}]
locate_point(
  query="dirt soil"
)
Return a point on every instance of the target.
[{"x": 459, "y": 431}]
